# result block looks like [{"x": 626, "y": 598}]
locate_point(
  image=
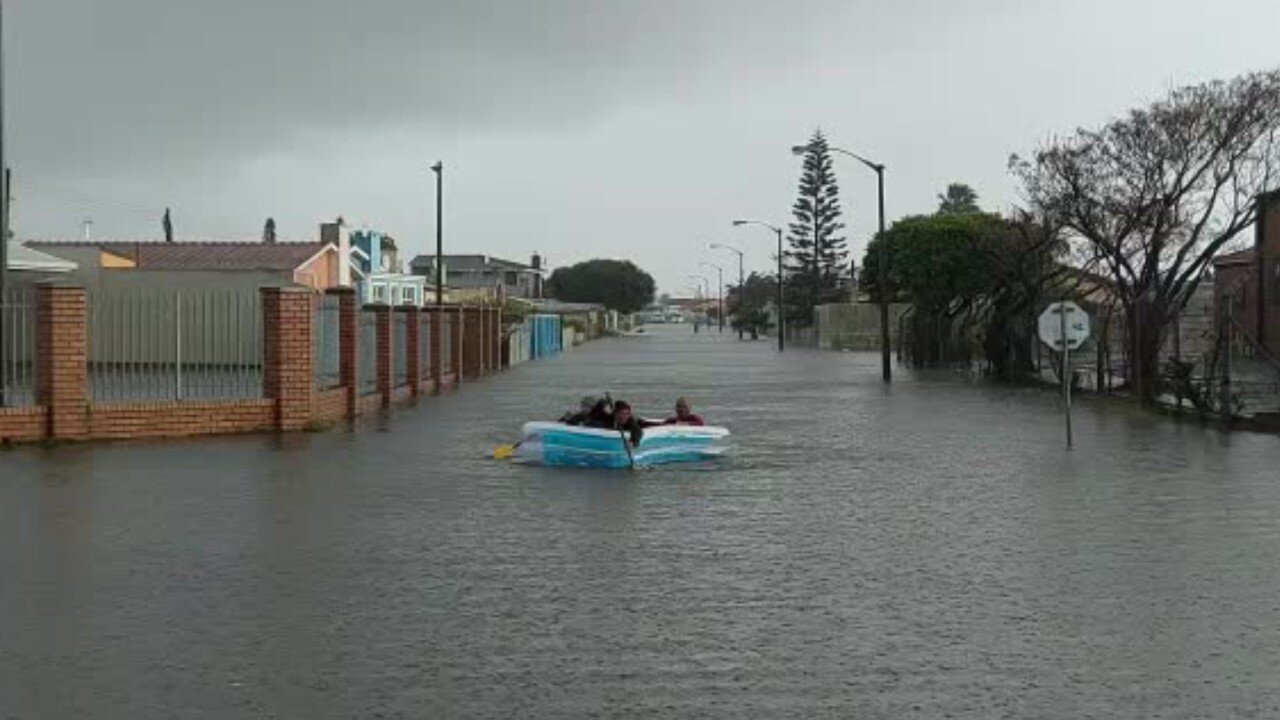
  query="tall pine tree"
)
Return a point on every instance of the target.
[{"x": 818, "y": 254}]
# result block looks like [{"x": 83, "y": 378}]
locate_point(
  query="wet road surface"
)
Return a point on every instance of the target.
[{"x": 926, "y": 551}]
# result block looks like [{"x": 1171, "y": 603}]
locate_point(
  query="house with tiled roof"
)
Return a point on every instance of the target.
[
  {"x": 484, "y": 275},
  {"x": 209, "y": 264}
]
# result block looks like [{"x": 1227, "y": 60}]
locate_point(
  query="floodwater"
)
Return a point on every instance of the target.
[{"x": 924, "y": 551}]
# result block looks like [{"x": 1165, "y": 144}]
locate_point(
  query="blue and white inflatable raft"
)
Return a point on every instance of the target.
[{"x": 550, "y": 443}]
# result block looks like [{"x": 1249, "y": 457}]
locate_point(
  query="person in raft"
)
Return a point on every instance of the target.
[
  {"x": 684, "y": 415},
  {"x": 583, "y": 413},
  {"x": 625, "y": 421}
]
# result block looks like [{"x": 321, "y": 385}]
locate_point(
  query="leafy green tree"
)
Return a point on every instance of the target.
[
  {"x": 959, "y": 199},
  {"x": 751, "y": 314},
  {"x": 616, "y": 284},
  {"x": 818, "y": 253},
  {"x": 969, "y": 273}
]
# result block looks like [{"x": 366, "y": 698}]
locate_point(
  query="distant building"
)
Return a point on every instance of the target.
[
  {"x": 377, "y": 274},
  {"x": 483, "y": 275},
  {"x": 195, "y": 265},
  {"x": 1247, "y": 283}
]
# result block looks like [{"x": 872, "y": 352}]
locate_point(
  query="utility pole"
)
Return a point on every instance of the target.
[
  {"x": 720, "y": 294},
  {"x": 4, "y": 230},
  {"x": 1066, "y": 370},
  {"x": 886, "y": 366},
  {"x": 438, "y": 169}
]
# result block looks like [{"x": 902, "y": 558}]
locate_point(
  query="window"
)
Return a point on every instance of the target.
[
  {"x": 511, "y": 278},
  {"x": 379, "y": 293}
]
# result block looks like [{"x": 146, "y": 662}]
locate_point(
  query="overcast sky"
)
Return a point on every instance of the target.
[{"x": 579, "y": 128}]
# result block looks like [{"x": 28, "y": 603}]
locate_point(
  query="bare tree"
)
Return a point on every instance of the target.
[{"x": 1154, "y": 195}]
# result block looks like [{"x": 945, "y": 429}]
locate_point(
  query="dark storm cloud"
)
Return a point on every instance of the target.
[
  {"x": 161, "y": 81},
  {"x": 579, "y": 128}
]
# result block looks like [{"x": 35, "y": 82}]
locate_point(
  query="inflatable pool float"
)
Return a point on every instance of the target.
[{"x": 550, "y": 443}]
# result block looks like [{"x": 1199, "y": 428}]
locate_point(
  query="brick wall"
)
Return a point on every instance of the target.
[
  {"x": 62, "y": 350},
  {"x": 23, "y": 424},
  {"x": 180, "y": 419},
  {"x": 330, "y": 405},
  {"x": 287, "y": 354},
  {"x": 290, "y": 401}
]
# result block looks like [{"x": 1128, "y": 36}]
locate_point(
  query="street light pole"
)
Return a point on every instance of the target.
[
  {"x": 782, "y": 329},
  {"x": 438, "y": 169},
  {"x": 742, "y": 284},
  {"x": 720, "y": 294},
  {"x": 882, "y": 257},
  {"x": 4, "y": 229},
  {"x": 705, "y": 287}
]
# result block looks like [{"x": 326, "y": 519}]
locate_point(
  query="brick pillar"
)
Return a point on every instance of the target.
[
  {"x": 386, "y": 381},
  {"x": 413, "y": 348},
  {"x": 348, "y": 337},
  {"x": 287, "y": 354},
  {"x": 62, "y": 349},
  {"x": 471, "y": 342}
]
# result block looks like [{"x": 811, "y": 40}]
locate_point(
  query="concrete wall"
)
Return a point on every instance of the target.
[{"x": 855, "y": 326}]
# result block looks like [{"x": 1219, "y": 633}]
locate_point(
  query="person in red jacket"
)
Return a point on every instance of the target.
[{"x": 684, "y": 415}]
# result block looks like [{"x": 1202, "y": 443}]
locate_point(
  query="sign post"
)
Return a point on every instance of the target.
[{"x": 1064, "y": 326}]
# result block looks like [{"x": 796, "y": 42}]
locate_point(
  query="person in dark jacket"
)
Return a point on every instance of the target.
[
  {"x": 583, "y": 414},
  {"x": 601, "y": 415},
  {"x": 625, "y": 421}
]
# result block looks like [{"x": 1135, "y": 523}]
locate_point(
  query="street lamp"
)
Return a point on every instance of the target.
[
  {"x": 882, "y": 256},
  {"x": 720, "y": 296},
  {"x": 742, "y": 287},
  {"x": 781, "y": 323},
  {"x": 4, "y": 227},
  {"x": 705, "y": 288},
  {"x": 438, "y": 169}
]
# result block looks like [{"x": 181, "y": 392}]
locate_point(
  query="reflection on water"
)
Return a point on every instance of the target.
[{"x": 927, "y": 550}]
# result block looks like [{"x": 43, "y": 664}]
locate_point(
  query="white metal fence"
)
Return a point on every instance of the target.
[
  {"x": 149, "y": 344},
  {"x": 400, "y": 348},
  {"x": 446, "y": 341},
  {"x": 325, "y": 338},
  {"x": 17, "y": 348},
  {"x": 367, "y": 337},
  {"x": 425, "y": 338}
]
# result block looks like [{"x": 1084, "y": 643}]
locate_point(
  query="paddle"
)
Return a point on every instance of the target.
[
  {"x": 626, "y": 441},
  {"x": 626, "y": 445},
  {"x": 505, "y": 452}
]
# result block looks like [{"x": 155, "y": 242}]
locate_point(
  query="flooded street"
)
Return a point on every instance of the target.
[{"x": 928, "y": 550}]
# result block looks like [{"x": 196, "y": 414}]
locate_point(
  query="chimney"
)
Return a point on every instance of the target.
[
  {"x": 536, "y": 262},
  {"x": 337, "y": 234}
]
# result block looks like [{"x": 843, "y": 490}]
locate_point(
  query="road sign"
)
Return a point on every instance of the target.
[{"x": 1075, "y": 328}]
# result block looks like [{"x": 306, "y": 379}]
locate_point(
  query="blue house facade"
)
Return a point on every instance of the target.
[{"x": 376, "y": 271}]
